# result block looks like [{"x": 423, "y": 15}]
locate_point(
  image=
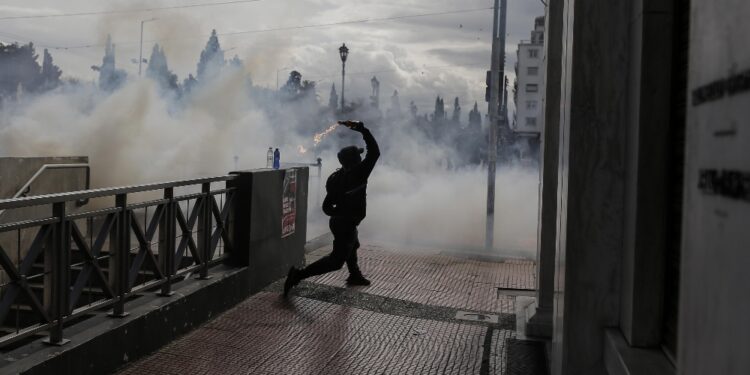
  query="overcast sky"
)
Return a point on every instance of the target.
[{"x": 421, "y": 57}]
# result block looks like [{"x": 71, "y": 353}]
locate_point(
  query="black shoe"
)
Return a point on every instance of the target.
[
  {"x": 292, "y": 279},
  {"x": 357, "y": 280}
]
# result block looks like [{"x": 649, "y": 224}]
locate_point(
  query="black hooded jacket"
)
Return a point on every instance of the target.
[{"x": 347, "y": 188}]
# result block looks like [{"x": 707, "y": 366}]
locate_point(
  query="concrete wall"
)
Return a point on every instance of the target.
[
  {"x": 15, "y": 173},
  {"x": 714, "y": 304},
  {"x": 257, "y": 225}
]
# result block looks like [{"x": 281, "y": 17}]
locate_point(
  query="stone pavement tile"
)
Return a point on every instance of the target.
[
  {"x": 266, "y": 334},
  {"x": 498, "y": 351},
  {"x": 261, "y": 336},
  {"x": 163, "y": 364},
  {"x": 439, "y": 280}
]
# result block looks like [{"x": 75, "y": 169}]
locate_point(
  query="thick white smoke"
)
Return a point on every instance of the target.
[
  {"x": 138, "y": 135},
  {"x": 446, "y": 209}
]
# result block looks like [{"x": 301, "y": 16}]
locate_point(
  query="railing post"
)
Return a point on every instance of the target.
[
  {"x": 204, "y": 230},
  {"x": 119, "y": 256},
  {"x": 167, "y": 241},
  {"x": 59, "y": 264}
]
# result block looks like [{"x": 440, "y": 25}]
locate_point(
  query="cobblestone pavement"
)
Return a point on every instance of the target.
[{"x": 403, "y": 324}]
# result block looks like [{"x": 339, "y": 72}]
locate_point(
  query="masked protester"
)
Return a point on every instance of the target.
[{"x": 345, "y": 203}]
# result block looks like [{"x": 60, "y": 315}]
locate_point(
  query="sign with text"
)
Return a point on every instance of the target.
[{"x": 289, "y": 203}]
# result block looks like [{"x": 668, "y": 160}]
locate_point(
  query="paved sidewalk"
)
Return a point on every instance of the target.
[{"x": 405, "y": 323}]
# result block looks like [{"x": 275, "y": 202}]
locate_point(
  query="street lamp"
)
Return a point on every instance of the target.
[
  {"x": 344, "y": 52},
  {"x": 140, "y": 60}
]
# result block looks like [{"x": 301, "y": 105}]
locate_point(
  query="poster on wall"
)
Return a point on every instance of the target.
[{"x": 289, "y": 203}]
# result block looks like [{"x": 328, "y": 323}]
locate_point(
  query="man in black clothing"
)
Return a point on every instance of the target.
[{"x": 345, "y": 203}]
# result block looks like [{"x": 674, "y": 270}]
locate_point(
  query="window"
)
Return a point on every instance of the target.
[
  {"x": 532, "y": 87},
  {"x": 533, "y": 53},
  {"x": 531, "y": 104},
  {"x": 530, "y": 121},
  {"x": 532, "y": 70}
]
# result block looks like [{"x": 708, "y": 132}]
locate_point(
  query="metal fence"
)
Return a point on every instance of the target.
[{"x": 82, "y": 262}]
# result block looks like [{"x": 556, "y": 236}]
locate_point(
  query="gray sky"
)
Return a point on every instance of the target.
[{"x": 422, "y": 57}]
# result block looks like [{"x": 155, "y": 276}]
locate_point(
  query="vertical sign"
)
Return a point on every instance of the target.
[{"x": 289, "y": 203}]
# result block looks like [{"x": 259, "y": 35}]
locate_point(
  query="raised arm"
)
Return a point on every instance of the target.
[{"x": 373, "y": 153}]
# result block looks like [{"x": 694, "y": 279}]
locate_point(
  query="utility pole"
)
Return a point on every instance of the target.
[{"x": 496, "y": 77}]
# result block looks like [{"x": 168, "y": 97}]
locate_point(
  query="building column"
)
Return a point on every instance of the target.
[
  {"x": 593, "y": 122},
  {"x": 540, "y": 324}
]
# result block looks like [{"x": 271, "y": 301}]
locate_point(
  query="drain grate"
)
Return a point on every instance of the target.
[
  {"x": 477, "y": 317},
  {"x": 515, "y": 292}
]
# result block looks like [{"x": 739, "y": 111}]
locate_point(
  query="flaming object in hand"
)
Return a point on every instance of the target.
[{"x": 319, "y": 137}]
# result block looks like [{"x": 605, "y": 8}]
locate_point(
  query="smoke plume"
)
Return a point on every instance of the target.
[{"x": 423, "y": 192}]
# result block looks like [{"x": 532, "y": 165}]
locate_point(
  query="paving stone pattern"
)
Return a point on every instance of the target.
[
  {"x": 438, "y": 280},
  {"x": 524, "y": 357},
  {"x": 352, "y": 298},
  {"x": 316, "y": 332}
]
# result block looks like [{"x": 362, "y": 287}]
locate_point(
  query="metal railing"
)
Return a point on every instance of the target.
[{"x": 82, "y": 262}]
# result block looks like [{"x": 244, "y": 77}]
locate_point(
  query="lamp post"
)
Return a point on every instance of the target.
[
  {"x": 140, "y": 59},
  {"x": 343, "y": 52}
]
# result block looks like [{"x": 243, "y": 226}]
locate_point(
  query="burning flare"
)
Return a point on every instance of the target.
[
  {"x": 301, "y": 149},
  {"x": 319, "y": 137}
]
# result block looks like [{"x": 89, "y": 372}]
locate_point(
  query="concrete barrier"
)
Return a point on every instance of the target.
[{"x": 257, "y": 224}]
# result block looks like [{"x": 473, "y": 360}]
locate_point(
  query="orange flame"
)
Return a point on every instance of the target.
[
  {"x": 319, "y": 137},
  {"x": 301, "y": 149}
]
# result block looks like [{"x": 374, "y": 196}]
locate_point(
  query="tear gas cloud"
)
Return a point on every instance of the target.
[{"x": 421, "y": 193}]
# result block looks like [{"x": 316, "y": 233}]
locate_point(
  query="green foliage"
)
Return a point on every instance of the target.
[{"x": 212, "y": 58}]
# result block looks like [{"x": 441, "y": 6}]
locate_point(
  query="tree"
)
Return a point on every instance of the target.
[
  {"x": 439, "y": 113},
  {"x": 295, "y": 88},
  {"x": 19, "y": 70},
  {"x": 413, "y": 109},
  {"x": 158, "y": 70},
  {"x": 375, "y": 97},
  {"x": 50, "y": 74},
  {"x": 235, "y": 62},
  {"x": 189, "y": 83},
  {"x": 308, "y": 89},
  {"x": 212, "y": 58},
  {"x": 475, "y": 119},
  {"x": 456, "y": 118},
  {"x": 395, "y": 110},
  {"x": 293, "y": 83},
  {"x": 110, "y": 78},
  {"x": 333, "y": 98}
]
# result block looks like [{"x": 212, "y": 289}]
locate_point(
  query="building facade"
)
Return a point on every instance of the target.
[
  {"x": 528, "y": 120},
  {"x": 645, "y": 199}
]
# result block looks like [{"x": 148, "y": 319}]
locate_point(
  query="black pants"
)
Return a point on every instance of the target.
[{"x": 345, "y": 245}]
